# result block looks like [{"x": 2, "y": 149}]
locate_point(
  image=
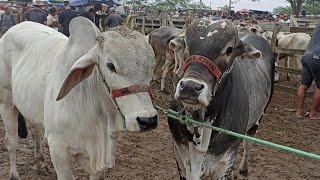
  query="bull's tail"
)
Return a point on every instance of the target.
[{"x": 22, "y": 128}]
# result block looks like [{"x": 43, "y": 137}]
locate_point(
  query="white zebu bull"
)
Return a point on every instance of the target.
[
  {"x": 82, "y": 90},
  {"x": 298, "y": 41}
]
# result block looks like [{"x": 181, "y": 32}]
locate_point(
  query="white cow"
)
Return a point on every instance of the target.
[
  {"x": 298, "y": 41},
  {"x": 82, "y": 91}
]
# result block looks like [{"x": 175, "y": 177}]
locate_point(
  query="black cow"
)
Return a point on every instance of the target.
[{"x": 234, "y": 99}]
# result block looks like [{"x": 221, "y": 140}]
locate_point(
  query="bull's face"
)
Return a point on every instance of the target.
[
  {"x": 126, "y": 62},
  {"x": 217, "y": 44}
]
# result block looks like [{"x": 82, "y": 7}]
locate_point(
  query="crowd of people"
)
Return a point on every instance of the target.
[{"x": 60, "y": 18}]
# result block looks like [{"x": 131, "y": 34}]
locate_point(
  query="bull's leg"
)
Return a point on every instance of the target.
[
  {"x": 85, "y": 164},
  {"x": 179, "y": 155},
  {"x": 247, "y": 149},
  {"x": 276, "y": 73},
  {"x": 10, "y": 118},
  {"x": 60, "y": 158},
  {"x": 157, "y": 69},
  {"x": 38, "y": 153},
  {"x": 165, "y": 70},
  {"x": 287, "y": 65},
  {"x": 175, "y": 81}
]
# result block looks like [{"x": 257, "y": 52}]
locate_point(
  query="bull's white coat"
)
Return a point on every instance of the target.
[
  {"x": 35, "y": 61},
  {"x": 291, "y": 41}
]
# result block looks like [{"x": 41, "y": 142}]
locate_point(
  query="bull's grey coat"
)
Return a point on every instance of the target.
[{"x": 238, "y": 105}]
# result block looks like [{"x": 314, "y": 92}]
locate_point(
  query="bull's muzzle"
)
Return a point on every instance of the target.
[
  {"x": 147, "y": 123},
  {"x": 190, "y": 88}
]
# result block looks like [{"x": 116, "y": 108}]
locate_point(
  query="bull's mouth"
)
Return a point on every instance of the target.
[{"x": 190, "y": 103}]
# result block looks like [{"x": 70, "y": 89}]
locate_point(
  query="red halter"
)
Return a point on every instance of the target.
[{"x": 204, "y": 61}]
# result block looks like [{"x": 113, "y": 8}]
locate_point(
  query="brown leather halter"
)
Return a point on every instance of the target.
[
  {"x": 126, "y": 91},
  {"x": 131, "y": 90}
]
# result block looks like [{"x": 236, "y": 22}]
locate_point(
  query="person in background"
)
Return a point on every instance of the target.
[
  {"x": 82, "y": 11},
  {"x": 91, "y": 15},
  {"x": 52, "y": 20},
  {"x": 113, "y": 20},
  {"x": 310, "y": 71},
  {"x": 36, "y": 13},
  {"x": 7, "y": 20},
  {"x": 285, "y": 19},
  {"x": 22, "y": 13},
  {"x": 277, "y": 18},
  {"x": 65, "y": 18}
]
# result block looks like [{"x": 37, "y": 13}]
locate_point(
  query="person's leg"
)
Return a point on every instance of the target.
[
  {"x": 315, "y": 69},
  {"x": 300, "y": 100},
  {"x": 314, "y": 114},
  {"x": 305, "y": 83}
]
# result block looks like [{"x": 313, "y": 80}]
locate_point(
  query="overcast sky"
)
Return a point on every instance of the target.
[{"x": 265, "y": 5}]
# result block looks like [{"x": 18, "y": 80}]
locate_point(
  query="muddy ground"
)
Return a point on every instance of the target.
[{"x": 149, "y": 156}]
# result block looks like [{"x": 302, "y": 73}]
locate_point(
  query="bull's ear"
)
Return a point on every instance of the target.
[
  {"x": 80, "y": 70},
  {"x": 247, "y": 51},
  {"x": 175, "y": 45}
]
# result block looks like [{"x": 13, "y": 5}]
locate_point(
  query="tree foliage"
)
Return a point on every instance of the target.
[
  {"x": 311, "y": 7},
  {"x": 283, "y": 10},
  {"x": 296, "y": 6}
]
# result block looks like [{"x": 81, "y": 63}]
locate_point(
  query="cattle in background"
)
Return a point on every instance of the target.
[
  {"x": 159, "y": 40},
  {"x": 298, "y": 41},
  {"x": 177, "y": 54},
  {"x": 227, "y": 82},
  {"x": 82, "y": 91}
]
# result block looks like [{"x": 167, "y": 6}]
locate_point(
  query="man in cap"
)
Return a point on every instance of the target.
[
  {"x": 7, "y": 20},
  {"x": 36, "y": 13},
  {"x": 52, "y": 20},
  {"x": 65, "y": 17},
  {"x": 285, "y": 19},
  {"x": 22, "y": 13}
]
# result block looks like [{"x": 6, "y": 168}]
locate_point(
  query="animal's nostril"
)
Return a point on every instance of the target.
[
  {"x": 182, "y": 84},
  {"x": 147, "y": 123},
  {"x": 199, "y": 88}
]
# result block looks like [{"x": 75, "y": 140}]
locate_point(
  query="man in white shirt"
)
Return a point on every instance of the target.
[
  {"x": 285, "y": 19},
  {"x": 52, "y": 20}
]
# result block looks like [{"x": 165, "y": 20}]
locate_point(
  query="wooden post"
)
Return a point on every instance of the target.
[
  {"x": 276, "y": 30},
  {"x": 143, "y": 25}
]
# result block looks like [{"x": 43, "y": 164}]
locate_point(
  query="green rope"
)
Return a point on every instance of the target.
[{"x": 186, "y": 120}]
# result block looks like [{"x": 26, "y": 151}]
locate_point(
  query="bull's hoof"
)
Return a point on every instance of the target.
[
  {"x": 14, "y": 177},
  {"x": 44, "y": 171},
  {"x": 243, "y": 173},
  {"x": 182, "y": 178}
]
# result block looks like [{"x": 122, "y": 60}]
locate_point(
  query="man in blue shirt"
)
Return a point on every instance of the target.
[
  {"x": 65, "y": 17},
  {"x": 310, "y": 71},
  {"x": 7, "y": 20}
]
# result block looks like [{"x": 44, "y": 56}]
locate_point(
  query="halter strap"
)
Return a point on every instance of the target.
[{"x": 204, "y": 61}]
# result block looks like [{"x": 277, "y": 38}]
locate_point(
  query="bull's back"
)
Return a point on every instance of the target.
[
  {"x": 29, "y": 50},
  {"x": 259, "y": 77}
]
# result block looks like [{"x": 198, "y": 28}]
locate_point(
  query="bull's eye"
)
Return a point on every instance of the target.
[
  {"x": 111, "y": 67},
  {"x": 229, "y": 51}
]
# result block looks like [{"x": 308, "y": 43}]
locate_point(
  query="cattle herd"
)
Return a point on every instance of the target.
[{"x": 80, "y": 96}]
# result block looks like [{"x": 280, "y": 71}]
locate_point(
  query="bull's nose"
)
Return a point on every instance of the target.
[
  {"x": 191, "y": 88},
  {"x": 147, "y": 123}
]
